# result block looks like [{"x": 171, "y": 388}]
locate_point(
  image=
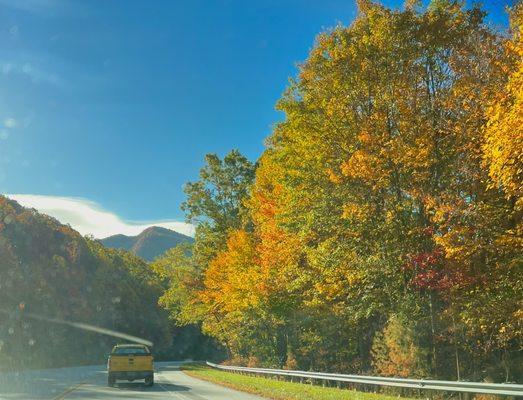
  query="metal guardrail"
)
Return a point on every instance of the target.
[{"x": 502, "y": 389}]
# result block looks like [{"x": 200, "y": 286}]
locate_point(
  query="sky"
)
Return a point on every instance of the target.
[{"x": 107, "y": 108}]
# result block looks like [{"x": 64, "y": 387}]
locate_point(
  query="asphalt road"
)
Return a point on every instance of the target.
[{"x": 82, "y": 383}]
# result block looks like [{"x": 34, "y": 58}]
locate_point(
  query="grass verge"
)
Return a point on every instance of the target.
[{"x": 277, "y": 390}]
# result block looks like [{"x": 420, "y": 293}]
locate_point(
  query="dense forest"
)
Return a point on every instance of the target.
[
  {"x": 381, "y": 230},
  {"x": 50, "y": 273}
]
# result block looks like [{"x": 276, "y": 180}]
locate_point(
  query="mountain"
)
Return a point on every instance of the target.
[
  {"x": 50, "y": 273},
  {"x": 149, "y": 244}
]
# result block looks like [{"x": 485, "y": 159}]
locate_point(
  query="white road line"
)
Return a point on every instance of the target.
[{"x": 177, "y": 395}]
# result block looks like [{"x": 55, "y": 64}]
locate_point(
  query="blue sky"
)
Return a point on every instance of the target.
[{"x": 118, "y": 101}]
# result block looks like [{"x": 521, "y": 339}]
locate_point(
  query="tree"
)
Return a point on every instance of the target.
[
  {"x": 399, "y": 350},
  {"x": 389, "y": 191},
  {"x": 216, "y": 199},
  {"x": 215, "y": 202},
  {"x": 503, "y": 148}
]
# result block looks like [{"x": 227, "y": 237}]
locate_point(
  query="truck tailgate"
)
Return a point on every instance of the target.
[{"x": 131, "y": 363}]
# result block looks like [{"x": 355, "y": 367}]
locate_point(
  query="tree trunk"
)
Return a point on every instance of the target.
[{"x": 433, "y": 332}]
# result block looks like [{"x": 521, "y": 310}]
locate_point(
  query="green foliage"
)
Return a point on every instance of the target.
[
  {"x": 217, "y": 197},
  {"x": 215, "y": 202},
  {"x": 181, "y": 274}
]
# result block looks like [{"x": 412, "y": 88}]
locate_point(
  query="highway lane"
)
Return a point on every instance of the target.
[
  {"x": 82, "y": 383},
  {"x": 43, "y": 384}
]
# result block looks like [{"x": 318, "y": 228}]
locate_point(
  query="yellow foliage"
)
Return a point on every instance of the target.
[
  {"x": 504, "y": 129},
  {"x": 232, "y": 277}
]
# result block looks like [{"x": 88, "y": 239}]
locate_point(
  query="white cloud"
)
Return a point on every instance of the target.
[{"x": 88, "y": 217}]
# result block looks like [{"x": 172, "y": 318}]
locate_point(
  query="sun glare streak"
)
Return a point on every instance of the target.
[{"x": 88, "y": 327}]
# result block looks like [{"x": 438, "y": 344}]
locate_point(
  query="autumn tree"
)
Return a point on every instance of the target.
[
  {"x": 382, "y": 227},
  {"x": 504, "y": 134},
  {"x": 215, "y": 204}
]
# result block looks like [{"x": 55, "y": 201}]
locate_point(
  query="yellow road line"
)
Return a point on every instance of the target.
[{"x": 70, "y": 389}]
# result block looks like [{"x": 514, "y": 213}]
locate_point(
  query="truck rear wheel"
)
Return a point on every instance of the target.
[{"x": 149, "y": 380}]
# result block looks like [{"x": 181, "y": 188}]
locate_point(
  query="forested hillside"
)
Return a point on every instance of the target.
[
  {"x": 149, "y": 244},
  {"x": 381, "y": 230},
  {"x": 50, "y": 270}
]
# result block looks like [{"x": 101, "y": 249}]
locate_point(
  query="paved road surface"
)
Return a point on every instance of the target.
[{"x": 82, "y": 383}]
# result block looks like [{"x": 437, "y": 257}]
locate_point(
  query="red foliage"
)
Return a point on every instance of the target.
[{"x": 429, "y": 271}]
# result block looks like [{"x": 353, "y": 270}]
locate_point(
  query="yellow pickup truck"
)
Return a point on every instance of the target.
[{"x": 130, "y": 362}]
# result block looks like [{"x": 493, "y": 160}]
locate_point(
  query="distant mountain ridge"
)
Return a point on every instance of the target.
[{"x": 149, "y": 244}]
